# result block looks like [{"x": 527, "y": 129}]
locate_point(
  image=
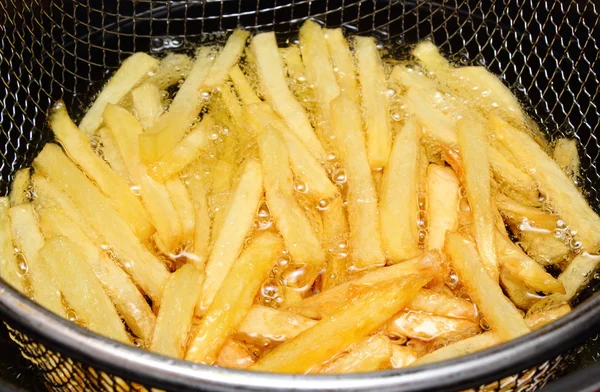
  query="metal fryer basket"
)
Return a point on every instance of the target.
[{"x": 63, "y": 49}]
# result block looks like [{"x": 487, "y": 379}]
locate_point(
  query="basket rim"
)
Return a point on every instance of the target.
[{"x": 141, "y": 366}]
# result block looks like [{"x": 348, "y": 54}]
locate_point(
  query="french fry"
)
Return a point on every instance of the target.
[
  {"x": 444, "y": 305},
  {"x": 147, "y": 103},
  {"x": 116, "y": 188},
  {"x": 242, "y": 86},
  {"x": 292, "y": 223},
  {"x": 343, "y": 63},
  {"x": 157, "y": 199},
  {"x": 336, "y": 333},
  {"x": 545, "y": 317},
  {"x": 111, "y": 153},
  {"x": 19, "y": 188},
  {"x": 513, "y": 179},
  {"x": 29, "y": 240},
  {"x": 460, "y": 348},
  {"x": 270, "y": 70},
  {"x": 518, "y": 292},
  {"x": 544, "y": 247},
  {"x": 145, "y": 269},
  {"x": 570, "y": 205},
  {"x": 231, "y": 102},
  {"x": 171, "y": 70},
  {"x": 237, "y": 223},
  {"x": 234, "y": 355},
  {"x": 184, "y": 207},
  {"x": 134, "y": 70},
  {"x": 221, "y": 178},
  {"x": 200, "y": 249},
  {"x": 398, "y": 205},
  {"x": 81, "y": 288},
  {"x": 375, "y": 102},
  {"x": 128, "y": 300},
  {"x": 442, "y": 205},
  {"x": 475, "y": 160},
  {"x": 173, "y": 124},
  {"x": 577, "y": 274},
  {"x": 511, "y": 257},
  {"x": 500, "y": 313},
  {"x": 9, "y": 269},
  {"x": 365, "y": 238},
  {"x": 176, "y": 312},
  {"x": 273, "y": 325},
  {"x": 294, "y": 67},
  {"x": 402, "y": 356},
  {"x": 335, "y": 231},
  {"x": 227, "y": 58},
  {"x": 367, "y": 355},
  {"x": 427, "y": 327},
  {"x": 234, "y": 298},
  {"x": 518, "y": 214},
  {"x": 566, "y": 155}
]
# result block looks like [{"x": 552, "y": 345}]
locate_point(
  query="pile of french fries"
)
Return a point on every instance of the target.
[{"x": 318, "y": 208}]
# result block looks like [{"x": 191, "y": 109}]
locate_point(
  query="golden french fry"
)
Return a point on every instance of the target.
[
  {"x": 426, "y": 327},
  {"x": 271, "y": 73},
  {"x": 128, "y": 300},
  {"x": 336, "y": 333},
  {"x": 475, "y": 160},
  {"x": 444, "y": 305},
  {"x": 500, "y": 313},
  {"x": 81, "y": 288},
  {"x": 519, "y": 214},
  {"x": 200, "y": 248},
  {"x": 365, "y": 238},
  {"x": 227, "y": 58},
  {"x": 518, "y": 292},
  {"x": 231, "y": 103},
  {"x": 242, "y": 86},
  {"x": 343, "y": 63},
  {"x": 237, "y": 223},
  {"x": 292, "y": 223},
  {"x": 220, "y": 190},
  {"x": 234, "y": 355},
  {"x": 402, "y": 356},
  {"x": 335, "y": 231},
  {"x": 111, "y": 153},
  {"x": 134, "y": 70},
  {"x": 544, "y": 247},
  {"x": 29, "y": 240},
  {"x": 234, "y": 298},
  {"x": 294, "y": 67},
  {"x": 116, "y": 188},
  {"x": 273, "y": 325},
  {"x": 157, "y": 199},
  {"x": 569, "y": 203},
  {"x": 367, "y": 355},
  {"x": 9, "y": 269},
  {"x": 375, "y": 101},
  {"x": 513, "y": 179},
  {"x": 184, "y": 206},
  {"x": 545, "y": 317},
  {"x": 19, "y": 188},
  {"x": 173, "y": 68},
  {"x": 442, "y": 205},
  {"x": 176, "y": 312},
  {"x": 460, "y": 348},
  {"x": 398, "y": 205},
  {"x": 566, "y": 155},
  {"x": 147, "y": 103},
  {"x": 145, "y": 269}
]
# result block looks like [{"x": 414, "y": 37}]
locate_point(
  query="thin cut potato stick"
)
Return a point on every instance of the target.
[
  {"x": 402, "y": 356},
  {"x": 171, "y": 69},
  {"x": 442, "y": 205},
  {"x": 460, "y": 348},
  {"x": 545, "y": 317},
  {"x": 170, "y": 128},
  {"x": 443, "y": 304},
  {"x": 9, "y": 269},
  {"x": 145, "y": 269},
  {"x": 243, "y": 86},
  {"x": 184, "y": 153},
  {"x": 292, "y": 223},
  {"x": 230, "y": 101},
  {"x": 519, "y": 293},
  {"x": 517, "y": 213},
  {"x": 427, "y": 327},
  {"x": 234, "y": 298},
  {"x": 335, "y": 231},
  {"x": 375, "y": 102},
  {"x": 473, "y": 152},
  {"x": 147, "y": 104},
  {"x": 336, "y": 333},
  {"x": 237, "y": 224},
  {"x": 569, "y": 203},
  {"x": 227, "y": 58},
  {"x": 365, "y": 237},
  {"x": 500, "y": 313},
  {"x": 398, "y": 205},
  {"x": 176, "y": 312},
  {"x": 200, "y": 248},
  {"x": 19, "y": 187},
  {"x": 506, "y": 173},
  {"x": 566, "y": 155},
  {"x": 543, "y": 246},
  {"x": 76, "y": 145},
  {"x": 294, "y": 67},
  {"x": 132, "y": 72},
  {"x": 184, "y": 207},
  {"x": 128, "y": 300},
  {"x": 274, "y": 325},
  {"x": 271, "y": 72},
  {"x": 342, "y": 61},
  {"x": 29, "y": 240},
  {"x": 81, "y": 288},
  {"x": 157, "y": 200},
  {"x": 111, "y": 153},
  {"x": 368, "y": 355},
  {"x": 234, "y": 355}
]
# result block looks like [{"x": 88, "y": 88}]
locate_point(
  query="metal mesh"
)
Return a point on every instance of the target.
[{"x": 546, "y": 51}]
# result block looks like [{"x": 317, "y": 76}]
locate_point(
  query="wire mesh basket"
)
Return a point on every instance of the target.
[{"x": 546, "y": 51}]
